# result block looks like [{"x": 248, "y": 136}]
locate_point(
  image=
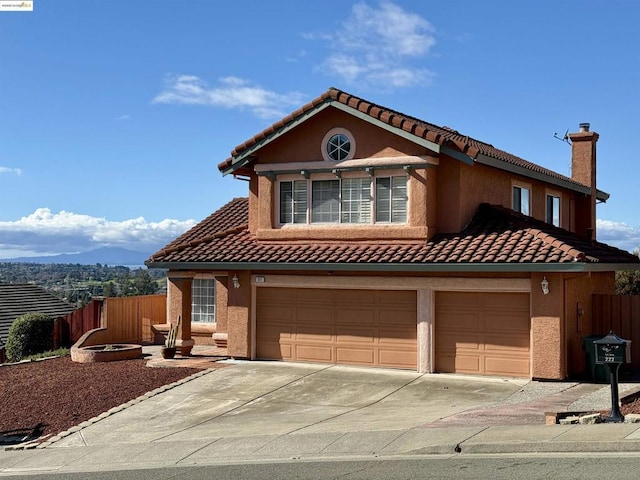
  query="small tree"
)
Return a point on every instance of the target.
[
  {"x": 30, "y": 333},
  {"x": 628, "y": 282}
]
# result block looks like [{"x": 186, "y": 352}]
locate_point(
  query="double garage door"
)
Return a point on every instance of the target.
[
  {"x": 354, "y": 327},
  {"x": 475, "y": 333}
]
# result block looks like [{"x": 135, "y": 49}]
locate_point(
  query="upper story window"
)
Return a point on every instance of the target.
[
  {"x": 293, "y": 202},
  {"x": 521, "y": 196},
  {"x": 391, "y": 199},
  {"x": 553, "y": 210},
  {"x": 345, "y": 200},
  {"x": 338, "y": 145},
  {"x": 203, "y": 300}
]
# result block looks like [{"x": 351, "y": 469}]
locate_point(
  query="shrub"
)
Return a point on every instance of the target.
[{"x": 30, "y": 333}]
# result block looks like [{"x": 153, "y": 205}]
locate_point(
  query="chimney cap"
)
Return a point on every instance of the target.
[{"x": 584, "y": 127}]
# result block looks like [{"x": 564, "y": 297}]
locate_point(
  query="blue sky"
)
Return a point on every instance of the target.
[{"x": 114, "y": 115}]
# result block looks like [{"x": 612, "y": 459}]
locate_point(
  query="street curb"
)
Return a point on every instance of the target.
[{"x": 613, "y": 446}]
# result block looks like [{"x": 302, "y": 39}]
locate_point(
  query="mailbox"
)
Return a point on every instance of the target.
[{"x": 612, "y": 349}]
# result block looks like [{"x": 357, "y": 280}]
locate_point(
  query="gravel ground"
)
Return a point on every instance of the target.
[{"x": 43, "y": 398}]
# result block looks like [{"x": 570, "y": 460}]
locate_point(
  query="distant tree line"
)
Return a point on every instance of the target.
[{"x": 77, "y": 283}]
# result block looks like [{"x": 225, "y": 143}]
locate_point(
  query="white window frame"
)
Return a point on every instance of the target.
[
  {"x": 354, "y": 207},
  {"x": 207, "y": 309},
  {"x": 520, "y": 189},
  {"x": 298, "y": 206},
  {"x": 553, "y": 217},
  {"x": 396, "y": 192}
]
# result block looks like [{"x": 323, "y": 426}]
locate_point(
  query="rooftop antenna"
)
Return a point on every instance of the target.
[{"x": 564, "y": 138}]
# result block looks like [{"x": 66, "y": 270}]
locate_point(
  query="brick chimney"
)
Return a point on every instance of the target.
[{"x": 583, "y": 170}]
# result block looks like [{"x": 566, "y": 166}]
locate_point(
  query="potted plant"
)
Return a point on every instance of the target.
[{"x": 169, "y": 349}]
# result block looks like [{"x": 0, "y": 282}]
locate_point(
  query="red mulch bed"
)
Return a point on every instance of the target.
[
  {"x": 632, "y": 407},
  {"x": 50, "y": 396}
]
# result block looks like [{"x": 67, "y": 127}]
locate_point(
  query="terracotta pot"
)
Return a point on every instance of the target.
[{"x": 168, "y": 352}]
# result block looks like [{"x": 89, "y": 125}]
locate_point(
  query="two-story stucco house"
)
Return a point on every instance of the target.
[{"x": 370, "y": 237}]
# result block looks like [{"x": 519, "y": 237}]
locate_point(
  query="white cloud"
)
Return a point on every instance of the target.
[
  {"x": 231, "y": 92},
  {"x": 15, "y": 171},
  {"x": 378, "y": 46},
  {"x": 44, "y": 233},
  {"x": 618, "y": 234},
  {"x": 124, "y": 117}
]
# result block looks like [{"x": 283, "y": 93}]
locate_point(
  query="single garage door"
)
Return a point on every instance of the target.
[
  {"x": 354, "y": 327},
  {"x": 483, "y": 333}
]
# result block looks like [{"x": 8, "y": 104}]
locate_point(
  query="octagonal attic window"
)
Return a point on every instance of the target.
[{"x": 338, "y": 145}]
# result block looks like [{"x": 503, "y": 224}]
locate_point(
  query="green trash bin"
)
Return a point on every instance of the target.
[{"x": 598, "y": 373}]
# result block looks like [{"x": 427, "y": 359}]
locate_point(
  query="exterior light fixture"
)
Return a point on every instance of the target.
[
  {"x": 236, "y": 282},
  {"x": 545, "y": 285}
]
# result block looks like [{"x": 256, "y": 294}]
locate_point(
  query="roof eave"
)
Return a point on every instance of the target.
[
  {"x": 519, "y": 170},
  {"x": 247, "y": 155},
  {"x": 400, "y": 267}
]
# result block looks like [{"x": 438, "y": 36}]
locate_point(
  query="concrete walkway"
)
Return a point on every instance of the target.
[{"x": 262, "y": 411}]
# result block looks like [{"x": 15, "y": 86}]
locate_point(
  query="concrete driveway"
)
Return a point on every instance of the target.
[{"x": 252, "y": 399}]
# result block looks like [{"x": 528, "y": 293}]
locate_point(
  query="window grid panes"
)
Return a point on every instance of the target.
[
  {"x": 391, "y": 199},
  {"x": 203, "y": 300},
  {"x": 347, "y": 200},
  {"x": 293, "y": 202},
  {"x": 553, "y": 210},
  {"x": 356, "y": 200},
  {"x": 521, "y": 200},
  {"x": 325, "y": 201}
]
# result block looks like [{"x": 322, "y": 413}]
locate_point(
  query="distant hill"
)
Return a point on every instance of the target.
[{"x": 106, "y": 256}]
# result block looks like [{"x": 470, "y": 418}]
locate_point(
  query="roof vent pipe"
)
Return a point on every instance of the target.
[{"x": 584, "y": 127}]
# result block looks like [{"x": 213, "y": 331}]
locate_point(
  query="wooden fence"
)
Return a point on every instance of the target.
[
  {"x": 68, "y": 330},
  {"x": 127, "y": 320},
  {"x": 620, "y": 313}
]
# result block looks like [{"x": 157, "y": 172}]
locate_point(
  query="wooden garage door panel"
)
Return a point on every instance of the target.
[
  {"x": 506, "y": 366},
  {"x": 307, "y": 295},
  {"x": 506, "y": 343},
  {"x": 405, "y": 358},
  {"x": 314, "y": 353},
  {"x": 513, "y": 321},
  {"x": 273, "y": 312},
  {"x": 312, "y": 315},
  {"x": 466, "y": 363},
  {"x": 277, "y": 331},
  {"x": 346, "y": 335},
  {"x": 363, "y": 327},
  {"x": 395, "y": 297},
  {"x": 459, "y": 321},
  {"x": 355, "y": 356},
  {"x": 355, "y": 316},
  {"x": 483, "y": 333},
  {"x": 351, "y": 297}
]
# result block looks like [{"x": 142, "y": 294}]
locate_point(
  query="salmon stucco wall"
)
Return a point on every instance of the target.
[
  {"x": 264, "y": 210},
  {"x": 462, "y": 187},
  {"x": 547, "y": 328},
  {"x": 239, "y": 317},
  {"x": 578, "y": 313},
  {"x": 179, "y": 305},
  {"x": 222, "y": 315},
  {"x": 304, "y": 143}
]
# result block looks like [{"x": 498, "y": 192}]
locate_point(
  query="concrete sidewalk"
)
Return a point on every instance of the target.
[{"x": 262, "y": 411}]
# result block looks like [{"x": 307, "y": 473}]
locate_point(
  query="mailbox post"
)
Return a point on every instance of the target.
[{"x": 613, "y": 351}]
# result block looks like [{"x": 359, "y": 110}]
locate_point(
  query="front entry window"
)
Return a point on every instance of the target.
[{"x": 203, "y": 300}]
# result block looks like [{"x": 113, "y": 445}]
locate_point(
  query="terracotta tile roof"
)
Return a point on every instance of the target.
[
  {"x": 496, "y": 235},
  {"x": 443, "y": 136}
]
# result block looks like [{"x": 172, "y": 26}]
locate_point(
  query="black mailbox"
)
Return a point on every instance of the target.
[{"x": 612, "y": 349}]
